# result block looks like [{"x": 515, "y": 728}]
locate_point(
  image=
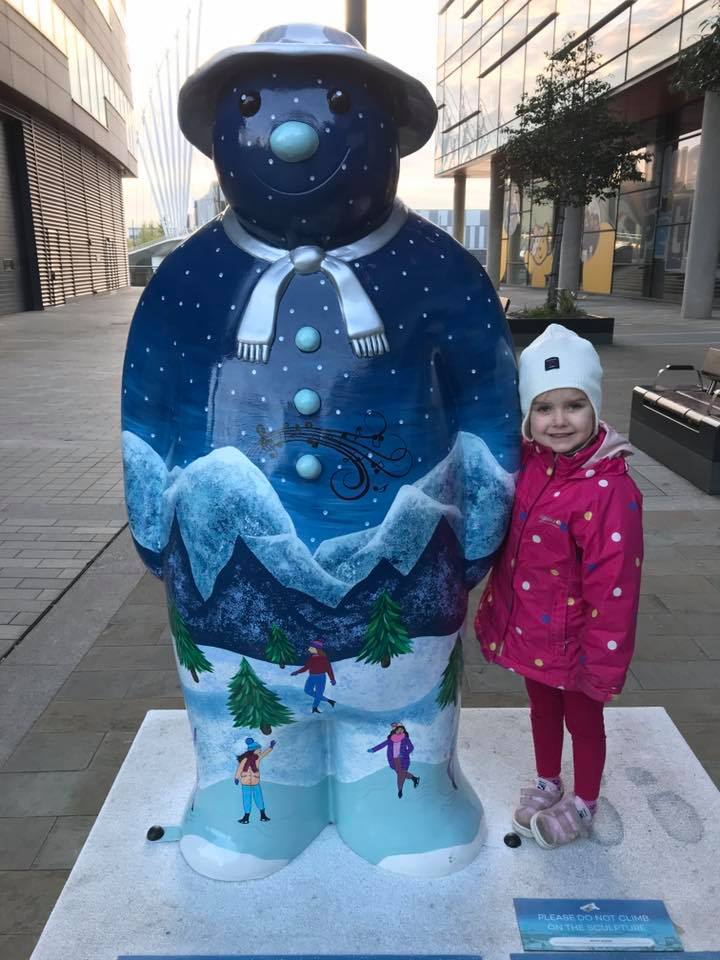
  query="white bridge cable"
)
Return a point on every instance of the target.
[{"x": 166, "y": 155}]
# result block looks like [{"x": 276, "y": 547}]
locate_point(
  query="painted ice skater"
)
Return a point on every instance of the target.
[
  {"x": 248, "y": 775},
  {"x": 399, "y": 747},
  {"x": 319, "y": 669}
]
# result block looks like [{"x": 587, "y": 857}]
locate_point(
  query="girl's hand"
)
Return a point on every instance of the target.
[
  {"x": 236, "y": 781},
  {"x": 272, "y": 743}
]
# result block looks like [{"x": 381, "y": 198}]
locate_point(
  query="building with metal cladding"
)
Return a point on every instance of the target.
[
  {"x": 65, "y": 143},
  {"x": 489, "y": 53}
]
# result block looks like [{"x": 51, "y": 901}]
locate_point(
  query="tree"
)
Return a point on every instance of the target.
[
  {"x": 189, "y": 654},
  {"x": 567, "y": 146},
  {"x": 254, "y": 705},
  {"x": 146, "y": 233},
  {"x": 279, "y": 649},
  {"x": 452, "y": 676},
  {"x": 386, "y": 636},
  {"x": 698, "y": 67}
]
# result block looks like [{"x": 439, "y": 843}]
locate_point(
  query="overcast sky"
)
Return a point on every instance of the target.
[{"x": 402, "y": 31}]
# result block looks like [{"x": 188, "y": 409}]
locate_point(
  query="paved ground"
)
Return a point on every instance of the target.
[{"x": 75, "y": 687}]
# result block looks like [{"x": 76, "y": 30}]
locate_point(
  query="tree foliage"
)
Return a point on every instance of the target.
[
  {"x": 254, "y": 705},
  {"x": 698, "y": 68},
  {"x": 147, "y": 232},
  {"x": 452, "y": 676},
  {"x": 189, "y": 654},
  {"x": 567, "y": 146},
  {"x": 386, "y": 636},
  {"x": 279, "y": 649}
]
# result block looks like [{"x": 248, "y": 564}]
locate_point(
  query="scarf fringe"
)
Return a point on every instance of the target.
[
  {"x": 253, "y": 352},
  {"x": 374, "y": 345}
]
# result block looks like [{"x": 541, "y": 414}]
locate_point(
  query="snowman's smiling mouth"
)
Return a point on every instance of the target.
[{"x": 315, "y": 186}]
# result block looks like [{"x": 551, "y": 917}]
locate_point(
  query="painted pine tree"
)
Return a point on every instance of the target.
[
  {"x": 254, "y": 705},
  {"x": 189, "y": 654},
  {"x": 279, "y": 649},
  {"x": 452, "y": 676},
  {"x": 386, "y": 636}
]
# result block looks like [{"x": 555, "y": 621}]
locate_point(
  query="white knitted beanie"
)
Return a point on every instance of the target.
[{"x": 559, "y": 358}]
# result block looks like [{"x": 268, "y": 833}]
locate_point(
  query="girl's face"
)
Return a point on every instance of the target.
[{"x": 562, "y": 419}]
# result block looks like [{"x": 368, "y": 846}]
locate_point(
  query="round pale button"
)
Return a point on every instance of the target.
[
  {"x": 308, "y": 467},
  {"x": 307, "y": 339},
  {"x": 306, "y": 402}
]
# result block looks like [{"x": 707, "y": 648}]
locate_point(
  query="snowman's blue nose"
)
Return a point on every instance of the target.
[{"x": 294, "y": 141}]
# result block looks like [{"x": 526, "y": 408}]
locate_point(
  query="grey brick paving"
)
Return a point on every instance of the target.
[{"x": 84, "y": 671}]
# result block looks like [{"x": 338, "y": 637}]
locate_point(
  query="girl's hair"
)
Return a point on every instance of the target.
[{"x": 398, "y": 727}]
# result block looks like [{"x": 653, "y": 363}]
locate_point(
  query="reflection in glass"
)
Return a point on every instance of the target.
[
  {"x": 490, "y": 100},
  {"x": 649, "y": 15},
  {"x": 469, "y": 93},
  {"x": 441, "y": 38},
  {"x": 473, "y": 22},
  {"x": 535, "y": 59},
  {"x": 691, "y": 25},
  {"x": 635, "y": 226},
  {"x": 453, "y": 29},
  {"x": 514, "y": 31},
  {"x": 511, "y": 86},
  {"x": 614, "y": 71},
  {"x": 573, "y": 16},
  {"x": 654, "y": 50},
  {"x": 612, "y": 39},
  {"x": 451, "y": 113},
  {"x": 537, "y": 11}
]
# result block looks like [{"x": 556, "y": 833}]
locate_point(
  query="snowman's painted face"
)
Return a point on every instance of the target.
[{"x": 306, "y": 152}]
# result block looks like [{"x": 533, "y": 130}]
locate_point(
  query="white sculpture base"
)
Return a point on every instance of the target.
[{"x": 657, "y": 835}]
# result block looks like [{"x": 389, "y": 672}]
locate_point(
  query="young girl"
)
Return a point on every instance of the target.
[{"x": 561, "y": 602}]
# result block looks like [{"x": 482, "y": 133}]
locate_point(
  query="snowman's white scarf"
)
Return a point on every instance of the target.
[{"x": 365, "y": 329}]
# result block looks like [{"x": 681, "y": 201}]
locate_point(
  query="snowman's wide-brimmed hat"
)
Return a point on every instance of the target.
[{"x": 302, "y": 41}]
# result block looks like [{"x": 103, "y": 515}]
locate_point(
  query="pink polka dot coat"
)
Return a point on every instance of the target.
[{"x": 561, "y": 602}]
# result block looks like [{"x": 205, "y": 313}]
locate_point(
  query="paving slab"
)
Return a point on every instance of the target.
[
  {"x": 53, "y": 751},
  {"x": 656, "y": 833},
  {"x": 21, "y": 839},
  {"x": 63, "y": 843}
]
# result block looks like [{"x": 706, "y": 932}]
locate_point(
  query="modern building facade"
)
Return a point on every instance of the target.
[
  {"x": 490, "y": 52},
  {"x": 66, "y": 140},
  {"x": 474, "y": 227}
]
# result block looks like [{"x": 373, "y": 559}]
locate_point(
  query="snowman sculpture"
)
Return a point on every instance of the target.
[{"x": 319, "y": 439}]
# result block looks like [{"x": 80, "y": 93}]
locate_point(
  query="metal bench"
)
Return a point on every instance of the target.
[{"x": 680, "y": 425}]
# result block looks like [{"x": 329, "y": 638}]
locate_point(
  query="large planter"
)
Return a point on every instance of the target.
[
  {"x": 596, "y": 329},
  {"x": 320, "y": 430}
]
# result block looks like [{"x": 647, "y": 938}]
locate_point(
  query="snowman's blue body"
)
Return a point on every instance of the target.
[{"x": 294, "y": 494}]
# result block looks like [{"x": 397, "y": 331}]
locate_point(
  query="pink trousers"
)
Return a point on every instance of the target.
[{"x": 550, "y": 711}]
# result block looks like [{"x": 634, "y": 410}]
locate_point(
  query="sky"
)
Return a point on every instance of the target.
[{"x": 401, "y": 31}]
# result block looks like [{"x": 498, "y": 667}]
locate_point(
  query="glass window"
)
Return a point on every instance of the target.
[
  {"x": 453, "y": 29},
  {"x": 654, "y": 50},
  {"x": 31, "y": 11},
  {"x": 573, "y": 17},
  {"x": 514, "y": 31},
  {"x": 493, "y": 25},
  {"x": 612, "y": 39},
  {"x": 635, "y": 226},
  {"x": 511, "y": 86},
  {"x": 535, "y": 59},
  {"x": 45, "y": 20},
  {"x": 58, "y": 28},
  {"x": 511, "y": 8},
  {"x": 489, "y": 9},
  {"x": 473, "y": 22},
  {"x": 691, "y": 28},
  {"x": 649, "y": 15},
  {"x": 614, "y": 71},
  {"x": 83, "y": 71},
  {"x": 489, "y": 101},
  {"x": 470, "y": 86},
  {"x": 442, "y": 20},
  {"x": 73, "y": 64},
  {"x": 538, "y": 11},
  {"x": 452, "y": 100}
]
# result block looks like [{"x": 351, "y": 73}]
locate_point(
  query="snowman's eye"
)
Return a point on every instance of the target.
[
  {"x": 338, "y": 101},
  {"x": 249, "y": 103}
]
